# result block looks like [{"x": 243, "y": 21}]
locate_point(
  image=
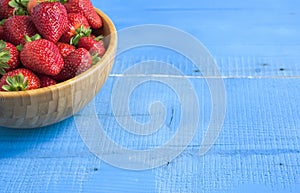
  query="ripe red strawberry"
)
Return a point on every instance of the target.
[
  {"x": 75, "y": 63},
  {"x": 42, "y": 56},
  {"x": 9, "y": 57},
  {"x": 32, "y": 3},
  {"x": 92, "y": 36},
  {"x": 46, "y": 81},
  {"x": 6, "y": 11},
  {"x": 92, "y": 45},
  {"x": 65, "y": 49},
  {"x": 78, "y": 26},
  {"x": 86, "y": 8},
  {"x": 17, "y": 27},
  {"x": 19, "y": 80},
  {"x": 12, "y": 7},
  {"x": 1, "y": 28},
  {"x": 1, "y": 32},
  {"x": 50, "y": 19}
]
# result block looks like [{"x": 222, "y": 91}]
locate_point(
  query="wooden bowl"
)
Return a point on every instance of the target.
[{"x": 46, "y": 106}]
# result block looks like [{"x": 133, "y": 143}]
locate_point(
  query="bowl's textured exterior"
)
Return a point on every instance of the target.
[{"x": 46, "y": 106}]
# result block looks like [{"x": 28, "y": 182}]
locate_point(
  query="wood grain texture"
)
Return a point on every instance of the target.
[{"x": 45, "y": 106}]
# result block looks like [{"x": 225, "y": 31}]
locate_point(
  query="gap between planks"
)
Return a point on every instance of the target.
[{"x": 202, "y": 77}]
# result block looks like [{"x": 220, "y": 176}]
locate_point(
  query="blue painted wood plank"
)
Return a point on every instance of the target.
[
  {"x": 254, "y": 152},
  {"x": 230, "y": 67},
  {"x": 231, "y": 28}
]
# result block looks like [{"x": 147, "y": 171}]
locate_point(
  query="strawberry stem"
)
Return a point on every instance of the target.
[
  {"x": 4, "y": 57},
  {"x": 16, "y": 83}
]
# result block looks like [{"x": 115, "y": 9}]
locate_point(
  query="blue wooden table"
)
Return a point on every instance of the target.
[{"x": 256, "y": 48}]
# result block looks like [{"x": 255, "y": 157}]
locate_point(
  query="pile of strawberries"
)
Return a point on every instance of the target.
[{"x": 44, "y": 42}]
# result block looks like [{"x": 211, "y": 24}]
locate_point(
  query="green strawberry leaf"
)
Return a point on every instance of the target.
[
  {"x": 4, "y": 57},
  {"x": 2, "y": 22},
  {"x": 27, "y": 38},
  {"x": 80, "y": 32},
  {"x": 75, "y": 39},
  {"x": 99, "y": 38},
  {"x": 36, "y": 37},
  {"x": 20, "y": 6},
  {"x": 20, "y": 47},
  {"x": 2, "y": 71},
  {"x": 13, "y": 4},
  {"x": 2, "y": 45},
  {"x": 3, "y": 66},
  {"x": 32, "y": 38},
  {"x": 21, "y": 12},
  {"x": 24, "y": 3},
  {"x": 63, "y": 1},
  {"x": 16, "y": 83},
  {"x": 95, "y": 58}
]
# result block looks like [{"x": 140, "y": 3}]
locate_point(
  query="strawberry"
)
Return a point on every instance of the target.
[
  {"x": 92, "y": 36},
  {"x": 75, "y": 63},
  {"x": 19, "y": 80},
  {"x": 91, "y": 44},
  {"x": 32, "y": 3},
  {"x": 86, "y": 8},
  {"x": 42, "y": 56},
  {"x": 9, "y": 57},
  {"x": 17, "y": 27},
  {"x": 50, "y": 20},
  {"x": 6, "y": 11},
  {"x": 78, "y": 26},
  {"x": 12, "y": 7},
  {"x": 46, "y": 81},
  {"x": 98, "y": 32},
  {"x": 65, "y": 49},
  {"x": 1, "y": 32}
]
